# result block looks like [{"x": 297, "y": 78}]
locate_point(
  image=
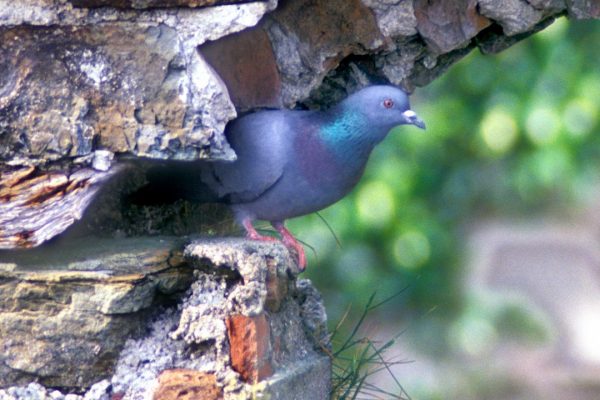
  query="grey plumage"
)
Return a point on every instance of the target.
[{"x": 291, "y": 163}]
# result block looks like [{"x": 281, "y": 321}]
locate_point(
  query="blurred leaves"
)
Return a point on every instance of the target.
[{"x": 511, "y": 134}]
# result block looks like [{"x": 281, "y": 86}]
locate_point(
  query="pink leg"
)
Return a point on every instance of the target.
[
  {"x": 252, "y": 234},
  {"x": 290, "y": 241}
]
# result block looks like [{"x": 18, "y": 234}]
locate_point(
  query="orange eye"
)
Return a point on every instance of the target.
[{"x": 388, "y": 103}]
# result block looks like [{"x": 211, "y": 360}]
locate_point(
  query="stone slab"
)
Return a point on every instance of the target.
[{"x": 66, "y": 311}]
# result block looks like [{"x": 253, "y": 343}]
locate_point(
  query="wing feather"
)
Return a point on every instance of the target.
[{"x": 262, "y": 150}]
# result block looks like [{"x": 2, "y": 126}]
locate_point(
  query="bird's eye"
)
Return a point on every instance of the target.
[{"x": 388, "y": 103}]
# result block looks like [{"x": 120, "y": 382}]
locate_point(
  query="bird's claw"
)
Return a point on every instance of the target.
[
  {"x": 299, "y": 250},
  {"x": 291, "y": 243},
  {"x": 286, "y": 238},
  {"x": 262, "y": 238},
  {"x": 252, "y": 234}
]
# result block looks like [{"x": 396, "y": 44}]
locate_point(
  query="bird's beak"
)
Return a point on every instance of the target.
[{"x": 411, "y": 118}]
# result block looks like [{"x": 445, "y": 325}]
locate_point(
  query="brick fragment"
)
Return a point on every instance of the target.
[
  {"x": 187, "y": 384},
  {"x": 246, "y": 63},
  {"x": 250, "y": 342}
]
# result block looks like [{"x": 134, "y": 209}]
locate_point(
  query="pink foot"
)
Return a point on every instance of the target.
[
  {"x": 252, "y": 234},
  {"x": 290, "y": 241}
]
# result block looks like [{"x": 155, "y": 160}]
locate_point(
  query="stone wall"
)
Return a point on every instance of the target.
[
  {"x": 90, "y": 83},
  {"x": 152, "y": 318},
  {"x": 92, "y": 92}
]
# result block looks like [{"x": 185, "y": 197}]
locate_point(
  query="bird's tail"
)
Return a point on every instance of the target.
[{"x": 169, "y": 182}]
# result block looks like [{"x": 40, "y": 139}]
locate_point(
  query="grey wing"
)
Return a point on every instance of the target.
[{"x": 262, "y": 142}]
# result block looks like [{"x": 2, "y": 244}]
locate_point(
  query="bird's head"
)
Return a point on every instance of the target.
[{"x": 384, "y": 107}]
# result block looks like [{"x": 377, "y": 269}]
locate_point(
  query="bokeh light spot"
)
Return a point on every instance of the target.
[
  {"x": 580, "y": 117},
  {"x": 542, "y": 125},
  {"x": 473, "y": 334},
  {"x": 589, "y": 87},
  {"x": 412, "y": 249},
  {"x": 376, "y": 204},
  {"x": 498, "y": 130}
]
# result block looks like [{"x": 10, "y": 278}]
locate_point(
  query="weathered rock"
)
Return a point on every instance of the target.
[
  {"x": 141, "y": 4},
  {"x": 39, "y": 392},
  {"x": 515, "y": 16},
  {"x": 230, "y": 293},
  {"x": 583, "y": 9},
  {"x": 306, "y": 49},
  {"x": 126, "y": 89},
  {"x": 186, "y": 351},
  {"x": 187, "y": 384},
  {"x": 233, "y": 280},
  {"x": 493, "y": 41},
  {"x": 195, "y": 26},
  {"x": 394, "y": 18},
  {"x": 128, "y": 81},
  {"x": 408, "y": 44},
  {"x": 79, "y": 86},
  {"x": 126, "y": 77},
  {"x": 547, "y": 5},
  {"x": 67, "y": 311},
  {"x": 86, "y": 83},
  {"x": 36, "y": 205},
  {"x": 448, "y": 26}
]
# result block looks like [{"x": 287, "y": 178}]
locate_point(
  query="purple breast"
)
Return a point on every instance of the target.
[{"x": 316, "y": 162}]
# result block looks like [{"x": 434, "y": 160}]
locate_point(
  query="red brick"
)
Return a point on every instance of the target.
[
  {"x": 250, "y": 342},
  {"x": 246, "y": 63}
]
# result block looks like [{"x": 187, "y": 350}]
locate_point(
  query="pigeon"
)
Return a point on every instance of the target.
[{"x": 289, "y": 162}]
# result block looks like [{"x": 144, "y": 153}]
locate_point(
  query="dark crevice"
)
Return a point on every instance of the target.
[{"x": 352, "y": 73}]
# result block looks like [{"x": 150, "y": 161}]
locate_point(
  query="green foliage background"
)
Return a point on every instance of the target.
[{"x": 507, "y": 135}]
